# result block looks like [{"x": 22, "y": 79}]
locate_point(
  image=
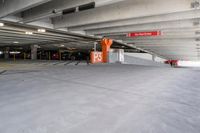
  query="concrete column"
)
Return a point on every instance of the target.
[
  {"x": 106, "y": 44},
  {"x": 95, "y": 46},
  {"x": 24, "y": 56},
  {"x": 121, "y": 55},
  {"x": 34, "y": 52},
  {"x": 116, "y": 56},
  {"x": 49, "y": 54},
  {"x": 153, "y": 57},
  {"x": 6, "y": 53}
]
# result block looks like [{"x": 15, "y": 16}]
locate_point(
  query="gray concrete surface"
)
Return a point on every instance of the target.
[
  {"x": 138, "y": 61},
  {"x": 99, "y": 99}
]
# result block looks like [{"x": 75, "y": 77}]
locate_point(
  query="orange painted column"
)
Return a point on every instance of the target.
[{"x": 106, "y": 44}]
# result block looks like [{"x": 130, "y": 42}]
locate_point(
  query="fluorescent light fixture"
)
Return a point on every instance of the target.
[
  {"x": 106, "y": 2},
  {"x": 15, "y": 52},
  {"x": 29, "y": 33},
  {"x": 41, "y": 30},
  {"x": 62, "y": 45},
  {"x": 1, "y": 24},
  {"x": 71, "y": 48},
  {"x": 16, "y": 42}
]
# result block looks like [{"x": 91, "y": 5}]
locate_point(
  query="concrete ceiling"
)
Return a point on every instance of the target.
[
  {"x": 16, "y": 34},
  {"x": 178, "y": 21}
]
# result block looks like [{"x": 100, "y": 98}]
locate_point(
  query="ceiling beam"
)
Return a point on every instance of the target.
[
  {"x": 166, "y": 47},
  {"x": 145, "y": 27},
  {"x": 55, "y": 8},
  {"x": 164, "y": 41},
  {"x": 171, "y": 37},
  {"x": 8, "y": 7},
  {"x": 123, "y": 10},
  {"x": 193, "y": 14}
]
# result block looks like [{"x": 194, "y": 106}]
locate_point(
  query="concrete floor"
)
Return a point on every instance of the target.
[{"x": 40, "y": 97}]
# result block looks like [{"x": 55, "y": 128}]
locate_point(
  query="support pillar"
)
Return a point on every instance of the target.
[
  {"x": 34, "y": 52},
  {"x": 40, "y": 55},
  {"x": 106, "y": 44},
  {"x": 6, "y": 53},
  {"x": 14, "y": 57},
  {"x": 95, "y": 46},
  {"x": 153, "y": 57},
  {"x": 49, "y": 55},
  {"x": 116, "y": 56},
  {"x": 24, "y": 56},
  {"x": 60, "y": 55},
  {"x": 121, "y": 55}
]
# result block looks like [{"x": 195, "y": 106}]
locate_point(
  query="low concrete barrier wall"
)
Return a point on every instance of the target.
[{"x": 144, "y": 62}]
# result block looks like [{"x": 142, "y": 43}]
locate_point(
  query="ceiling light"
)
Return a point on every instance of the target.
[
  {"x": 1, "y": 24},
  {"x": 15, "y": 52},
  {"x": 41, "y": 30},
  {"x": 62, "y": 45},
  {"x": 71, "y": 48},
  {"x": 28, "y": 33},
  {"x": 16, "y": 42}
]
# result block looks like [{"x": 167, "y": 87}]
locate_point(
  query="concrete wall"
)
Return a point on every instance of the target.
[
  {"x": 145, "y": 56},
  {"x": 141, "y": 59}
]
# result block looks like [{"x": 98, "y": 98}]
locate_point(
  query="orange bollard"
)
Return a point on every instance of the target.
[{"x": 106, "y": 44}]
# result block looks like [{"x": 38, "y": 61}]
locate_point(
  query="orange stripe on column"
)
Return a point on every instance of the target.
[{"x": 106, "y": 44}]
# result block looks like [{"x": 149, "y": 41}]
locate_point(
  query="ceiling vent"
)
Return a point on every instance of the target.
[
  {"x": 69, "y": 11},
  {"x": 87, "y": 6},
  {"x": 196, "y": 23},
  {"x": 195, "y": 4},
  {"x": 197, "y": 33},
  {"x": 197, "y": 40},
  {"x": 79, "y": 8}
]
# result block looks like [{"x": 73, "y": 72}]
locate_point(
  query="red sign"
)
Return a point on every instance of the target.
[{"x": 150, "y": 33}]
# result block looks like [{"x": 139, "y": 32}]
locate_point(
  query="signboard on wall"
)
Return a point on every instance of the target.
[
  {"x": 96, "y": 57},
  {"x": 143, "y": 34}
]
